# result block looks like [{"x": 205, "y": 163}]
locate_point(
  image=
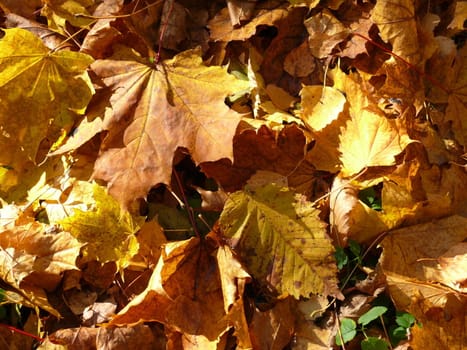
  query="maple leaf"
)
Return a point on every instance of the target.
[
  {"x": 221, "y": 28},
  {"x": 58, "y": 12},
  {"x": 397, "y": 26},
  {"x": 107, "y": 231},
  {"x": 321, "y": 106},
  {"x": 281, "y": 240},
  {"x": 43, "y": 90},
  {"x": 184, "y": 293},
  {"x": 177, "y": 103},
  {"x": 326, "y": 32},
  {"x": 32, "y": 261},
  {"x": 412, "y": 262},
  {"x": 263, "y": 149}
]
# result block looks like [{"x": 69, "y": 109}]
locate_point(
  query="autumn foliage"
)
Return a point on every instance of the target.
[{"x": 190, "y": 174}]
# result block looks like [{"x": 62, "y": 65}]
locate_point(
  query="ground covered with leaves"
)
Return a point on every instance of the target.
[{"x": 233, "y": 174}]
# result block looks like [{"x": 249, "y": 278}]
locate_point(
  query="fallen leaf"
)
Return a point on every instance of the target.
[
  {"x": 261, "y": 149},
  {"x": 107, "y": 231},
  {"x": 410, "y": 261},
  {"x": 370, "y": 139},
  {"x": 178, "y": 103},
  {"x": 321, "y": 106},
  {"x": 59, "y": 89},
  {"x": 139, "y": 336},
  {"x": 221, "y": 29},
  {"x": 273, "y": 329},
  {"x": 397, "y": 26},
  {"x": 184, "y": 293},
  {"x": 350, "y": 217},
  {"x": 325, "y": 32},
  {"x": 33, "y": 261},
  {"x": 269, "y": 219}
]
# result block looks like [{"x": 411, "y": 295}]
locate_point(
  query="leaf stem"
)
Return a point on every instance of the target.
[
  {"x": 189, "y": 209},
  {"x": 16, "y": 330}
]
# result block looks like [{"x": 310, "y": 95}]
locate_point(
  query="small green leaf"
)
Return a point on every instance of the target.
[
  {"x": 372, "y": 314},
  {"x": 348, "y": 331},
  {"x": 372, "y": 343},
  {"x": 397, "y": 334},
  {"x": 341, "y": 257},
  {"x": 355, "y": 248},
  {"x": 404, "y": 319}
]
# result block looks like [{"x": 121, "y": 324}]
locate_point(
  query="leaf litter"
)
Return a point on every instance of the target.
[{"x": 240, "y": 175}]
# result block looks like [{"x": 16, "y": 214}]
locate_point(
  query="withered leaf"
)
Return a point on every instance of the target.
[{"x": 157, "y": 109}]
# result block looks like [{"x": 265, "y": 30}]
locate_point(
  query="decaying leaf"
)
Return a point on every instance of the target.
[{"x": 281, "y": 240}]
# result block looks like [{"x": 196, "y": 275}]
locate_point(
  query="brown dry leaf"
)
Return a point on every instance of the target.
[
  {"x": 103, "y": 33},
  {"x": 184, "y": 293},
  {"x": 397, "y": 26},
  {"x": 273, "y": 329},
  {"x": 157, "y": 109},
  {"x": 325, "y": 31},
  {"x": 137, "y": 337},
  {"x": 356, "y": 45},
  {"x": 32, "y": 255},
  {"x": 150, "y": 238},
  {"x": 453, "y": 264},
  {"x": 309, "y": 336},
  {"x": 59, "y": 12},
  {"x": 32, "y": 261},
  {"x": 220, "y": 27},
  {"x": 457, "y": 99},
  {"x": 458, "y": 21},
  {"x": 411, "y": 261},
  {"x": 240, "y": 11},
  {"x": 261, "y": 149},
  {"x": 298, "y": 62},
  {"x": 24, "y": 8},
  {"x": 233, "y": 280}
]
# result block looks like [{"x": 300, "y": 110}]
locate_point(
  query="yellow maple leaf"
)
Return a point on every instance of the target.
[
  {"x": 107, "y": 230},
  {"x": 40, "y": 94},
  {"x": 370, "y": 139}
]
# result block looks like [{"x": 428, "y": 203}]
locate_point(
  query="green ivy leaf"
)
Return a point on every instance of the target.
[
  {"x": 341, "y": 258},
  {"x": 404, "y": 319},
  {"x": 371, "y": 315},
  {"x": 372, "y": 343},
  {"x": 348, "y": 331}
]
